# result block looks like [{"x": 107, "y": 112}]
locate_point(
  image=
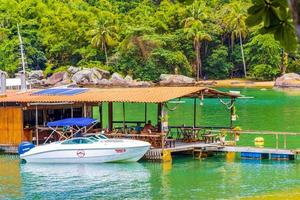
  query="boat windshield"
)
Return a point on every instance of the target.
[
  {"x": 96, "y": 138},
  {"x": 78, "y": 141}
]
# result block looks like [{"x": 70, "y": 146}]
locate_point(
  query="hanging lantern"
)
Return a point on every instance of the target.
[{"x": 201, "y": 99}]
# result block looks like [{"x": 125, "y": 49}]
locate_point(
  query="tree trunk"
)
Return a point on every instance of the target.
[
  {"x": 284, "y": 63},
  {"x": 198, "y": 60},
  {"x": 105, "y": 51},
  {"x": 295, "y": 10},
  {"x": 243, "y": 57}
]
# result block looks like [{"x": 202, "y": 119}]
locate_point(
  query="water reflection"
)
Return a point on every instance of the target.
[
  {"x": 105, "y": 181},
  {"x": 10, "y": 178}
]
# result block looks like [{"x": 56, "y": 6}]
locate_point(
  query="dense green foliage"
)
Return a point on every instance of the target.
[{"x": 142, "y": 38}]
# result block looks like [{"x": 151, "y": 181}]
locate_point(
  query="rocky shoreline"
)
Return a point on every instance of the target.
[{"x": 95, "y": 77}]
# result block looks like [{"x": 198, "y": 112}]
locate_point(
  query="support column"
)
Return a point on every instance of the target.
[
  {"x": 100, "y": 116},
  {"x": 36, "y": 125},
  {"x": 159, "y": 109},
  {"x": 195, "y": 112},
  {"x": 72, "y": 112},
  {"x": 146, "y": 113},
  {"x": 84, "y": 110},
  {"x": 123, "y": 106},
  {"x": 110, "y": 116},
  {"x": 231, "y": 112}
]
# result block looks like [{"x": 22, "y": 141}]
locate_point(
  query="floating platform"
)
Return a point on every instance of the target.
[{"x": 202, "y": 149}]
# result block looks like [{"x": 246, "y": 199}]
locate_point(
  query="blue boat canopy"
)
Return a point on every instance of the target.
[{"x": 72, "y": 122}]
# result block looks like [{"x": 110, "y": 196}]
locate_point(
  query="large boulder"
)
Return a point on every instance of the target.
[
  {"x": 118, "y": 80},
  {"x": 89, "y": 76},
  {"x": 170, "y": 79},
  {"x": 36, "y": 75},
  {"x": 135, "y": 83},
  {"x": 288, "y": 80},
  {"x": 73, "y": 70},
  {"x": 58, "y": 78}
]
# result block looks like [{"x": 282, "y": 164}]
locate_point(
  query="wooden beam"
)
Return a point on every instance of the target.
[
  {"x": 159, "y": 109},
  {"x": 146, "y": 110},
  {"x": 110, "y": 116},
  {"x": 100, "y": 115},
  {"x": 195, "y": 112},
  {"x": 36, "y": 125},
  {"x": 123, "y": 107}
]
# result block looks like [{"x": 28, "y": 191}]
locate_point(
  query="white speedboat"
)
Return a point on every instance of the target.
[{"x": 92, "y": 149}]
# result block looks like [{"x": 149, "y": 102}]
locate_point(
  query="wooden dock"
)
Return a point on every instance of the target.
[{"x": 200, "y": 148}]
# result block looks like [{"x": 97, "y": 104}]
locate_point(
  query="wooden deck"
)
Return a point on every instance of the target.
[{"x": 158, "y": 153}]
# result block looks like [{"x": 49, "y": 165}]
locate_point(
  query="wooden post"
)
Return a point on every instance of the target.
[
  {"x": 146, "y": 113},
  {"x": 277, "y": 144},
  {"x": 36, "y": 125},
  {"x": 110, "y": 116},
  {"x": 231, "y": 111},
  {"x": 123, "y": 105},
  {"x": 159, "y": 109},
  {"x": 72, "y": 111},
  {"x": 100, "y": 116},
  {"x": 195, "y": 111},
  {"x": 84, "y": 110}
]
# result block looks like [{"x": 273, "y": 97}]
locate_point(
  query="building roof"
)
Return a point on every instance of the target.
[{"x": 135, "y": 95}]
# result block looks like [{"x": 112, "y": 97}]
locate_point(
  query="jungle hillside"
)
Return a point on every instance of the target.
[{"x": 145, "y": 38}]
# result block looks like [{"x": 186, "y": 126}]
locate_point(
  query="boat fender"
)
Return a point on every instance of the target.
[{"x": 24, "y": 147}]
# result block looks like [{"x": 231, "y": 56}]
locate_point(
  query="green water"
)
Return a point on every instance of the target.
[{"x": 219, "y": 177}]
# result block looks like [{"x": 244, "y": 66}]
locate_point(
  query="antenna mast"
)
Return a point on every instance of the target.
[{"x": 23, "y": 74}]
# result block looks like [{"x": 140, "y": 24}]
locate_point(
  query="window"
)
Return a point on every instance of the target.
[{"x": 78, "y": 141}]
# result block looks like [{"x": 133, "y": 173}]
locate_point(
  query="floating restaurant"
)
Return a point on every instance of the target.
[{"x": 25, "y": 116}]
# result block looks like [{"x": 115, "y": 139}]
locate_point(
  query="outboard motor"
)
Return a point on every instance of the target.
[{"x": 24, "y": 147}]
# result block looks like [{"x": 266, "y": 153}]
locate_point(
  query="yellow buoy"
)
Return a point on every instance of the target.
[
  {"x": 259, "y": 141},
  {"x": 166, "y": 155}
]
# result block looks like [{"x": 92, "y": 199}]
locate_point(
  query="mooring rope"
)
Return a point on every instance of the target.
[
  {"x": 174, "y": 108},
  {"x": 226, "y": 104}
]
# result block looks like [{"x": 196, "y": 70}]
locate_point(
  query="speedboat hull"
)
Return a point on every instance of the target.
[{"x": 100, "y": 153}]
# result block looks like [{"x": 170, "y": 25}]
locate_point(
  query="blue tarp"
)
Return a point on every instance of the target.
[{"x": 72, "y": 122}]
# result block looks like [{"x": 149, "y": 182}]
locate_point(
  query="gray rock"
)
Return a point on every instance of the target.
[
  {"x": 59, "y": 77},
  {"x": 128, "y": 78},
  {"x": 140, "y": 84},
  {"x": 87, "y": 76},
  {"x": 36, "y": 75},
  {"x": 104, "y": 82},
  {"x": 73, "y": 70},
  {"x": 288, "y": 80},
  {"x": 105, "y": 74},
  {"x": 175, "y": 79},
  {"x": 117, "y": 80}
]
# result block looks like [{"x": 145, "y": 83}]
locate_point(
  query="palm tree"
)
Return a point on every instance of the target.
[
  {"x": 234, "y": 19},
  {"x": 104, "y": 36},
  {"x": 194, "y": 29}
]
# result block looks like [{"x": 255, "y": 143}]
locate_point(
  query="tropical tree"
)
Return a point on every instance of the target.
[
  {"x": 104, "y": 35},
  {"x": 234, "y": 20},
  {"x": 194, "y": 29}
]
